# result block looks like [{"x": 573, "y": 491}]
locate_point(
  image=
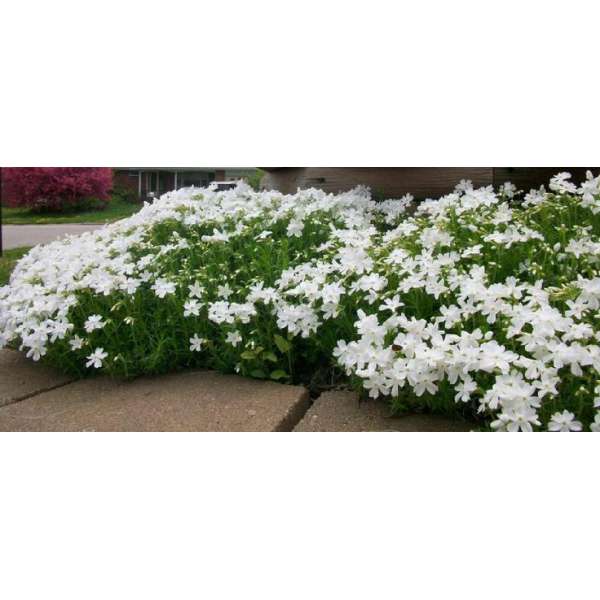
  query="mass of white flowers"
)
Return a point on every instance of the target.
[{"x": 481, "y": 301}]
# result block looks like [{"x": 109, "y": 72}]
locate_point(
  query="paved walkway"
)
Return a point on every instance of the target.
[
  {"x": 36, "y": 398},
  {"x": 343, "y": 411},
  {"x": 15, "y": 236}
]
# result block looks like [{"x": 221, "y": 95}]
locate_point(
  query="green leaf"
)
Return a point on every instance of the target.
[
  {"x": 258, "y": 374},
  {"x": 269, "y": 356},
  {"x": 278, "y": 374},
  {"x": 282, "y": 344},
  {"x": 247, "y": 355}
]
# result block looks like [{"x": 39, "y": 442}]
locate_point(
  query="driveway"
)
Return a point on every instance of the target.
[{"x": 14, "y": 236}]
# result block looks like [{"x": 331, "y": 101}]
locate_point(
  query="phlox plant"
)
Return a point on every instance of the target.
[
  {"x": 56, "y": 188},
  {"x": 481, "y": 302}
]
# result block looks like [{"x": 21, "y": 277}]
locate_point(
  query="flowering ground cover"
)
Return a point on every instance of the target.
[{"x": 480, "y": 302}]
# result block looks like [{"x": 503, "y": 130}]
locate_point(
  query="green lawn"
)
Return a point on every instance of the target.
[
  {"x": 116, "y": 209},
  {"x": 8, "y": 261}
]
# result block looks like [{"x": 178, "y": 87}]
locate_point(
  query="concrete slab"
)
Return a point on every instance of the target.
[
  {"x": 191, "y": 401},
  {"x": 15, "y": 236},
  {"x": 342, "y": 411},
  {"x": 21, "y": 377}
]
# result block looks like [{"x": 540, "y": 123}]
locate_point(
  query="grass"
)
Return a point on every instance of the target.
[
  {"x": 8, "y": 260},
  {"x": 117, "y": 209}
]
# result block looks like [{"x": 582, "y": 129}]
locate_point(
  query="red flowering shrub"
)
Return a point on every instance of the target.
[{"x": 56, "y": 188}]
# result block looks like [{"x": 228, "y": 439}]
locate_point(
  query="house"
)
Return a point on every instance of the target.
[
  {"x": 421, "y": 182},
  {"x": 148, "y": 181}
]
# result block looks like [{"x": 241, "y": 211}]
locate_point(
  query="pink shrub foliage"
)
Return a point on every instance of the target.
[{"x": 55, "y": 188}]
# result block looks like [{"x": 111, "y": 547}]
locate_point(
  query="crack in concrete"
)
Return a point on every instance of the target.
[
  {"x": 36, "y": 393},
  {"x": 296, "y": 414}
]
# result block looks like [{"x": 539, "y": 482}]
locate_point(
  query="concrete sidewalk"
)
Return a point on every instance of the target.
[
  {"x": 15, "y": 236},
  {"x": 188, "y": 401},
  {"x": 36, "y": 398},
  {"x": 344, "y": 411}
]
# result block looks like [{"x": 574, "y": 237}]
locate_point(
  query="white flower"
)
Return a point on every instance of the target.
[
  {"x": 243, "y": 312},
  {"x": 224, "y": 291},
  {"x": 535, "y": 197},
  {"x": 76, "y": 342},
  {"x": 465, "y": 185},
  {"x": 217, "y": 236},
  {"x": 368, "y": 327},
  {"x": 597, "y": 396},
  {"x": 191, "y": 307},
  {"x": 595, "y": 426},
  {"x": 516, "y": 419},
  {"x": 36, "y": 344},
  {"x": 464, "y": 389},
  {"x": 196, "y": 343},
  {"x": 472, "y": 251},
  {"x": 131, "y": 285},
  {"x": 59, "y": 329},
  {"x": 220, "y": 312},
  {"x": 233, "y": 338},
  {"x": 295, "y": 228},
  {"x": 95, "y": 358},
  {"x": 196, "y": 290},
  {"x": 450, "y": 315},
  {"x": 560, "y": 183},
  {"x": 162, "y": 287},
  {"x": 564, "y": 421},
  {"x": 93, "y": 322},
  {"x": 508, "y": 189}
]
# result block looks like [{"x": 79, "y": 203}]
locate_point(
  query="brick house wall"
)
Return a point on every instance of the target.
[
  {"x": 393, "y": 182},
  {"x": 526, "y": 178}
]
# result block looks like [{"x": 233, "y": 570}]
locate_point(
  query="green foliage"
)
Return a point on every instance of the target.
[
  {"x": 8, "y": 260},
  {"x": 125, "y": 194},
  {"x": 255, "y": 178}
]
